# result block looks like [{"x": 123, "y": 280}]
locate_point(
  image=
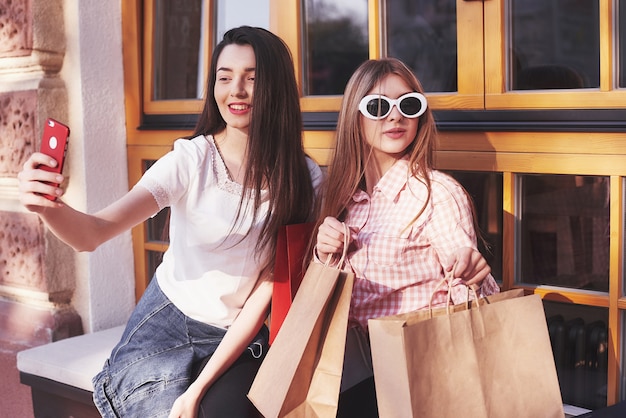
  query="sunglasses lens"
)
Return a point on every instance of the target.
[
  {"x": 410, "y": 106},
  {"x": 378, "y": 107}
]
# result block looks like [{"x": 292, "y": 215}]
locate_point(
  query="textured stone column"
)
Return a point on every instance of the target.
[{"x": 36, "y": 270}]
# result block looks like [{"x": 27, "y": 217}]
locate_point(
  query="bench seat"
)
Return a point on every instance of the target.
[{"x": 60, "y": 373}]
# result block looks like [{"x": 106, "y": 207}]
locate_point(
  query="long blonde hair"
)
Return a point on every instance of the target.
[{"x": 347, "y": 169}]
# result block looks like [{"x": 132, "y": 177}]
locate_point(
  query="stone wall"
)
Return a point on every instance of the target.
[{"x": 35, "y": 288}]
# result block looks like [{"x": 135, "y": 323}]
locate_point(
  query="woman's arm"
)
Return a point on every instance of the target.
[
  {"x": 81, "y": 231},
  {"x": 237, "y": 338},
  {"x": 452, "y": 234}
]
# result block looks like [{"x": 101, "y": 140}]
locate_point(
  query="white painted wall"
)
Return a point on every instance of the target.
[{"x": 94, "y": 78}]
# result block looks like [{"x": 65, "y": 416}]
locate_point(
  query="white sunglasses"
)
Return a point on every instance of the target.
[{"x": 377, "y": 106}]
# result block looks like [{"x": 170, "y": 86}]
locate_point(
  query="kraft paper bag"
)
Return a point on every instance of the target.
[
  {"x": 489, "y": 360},
  {"x": 301, "y": 374},
  {"x": 291, "y": 245}
]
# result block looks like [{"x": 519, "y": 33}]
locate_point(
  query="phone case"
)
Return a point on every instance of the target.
[{"x": 54, "y": 143}]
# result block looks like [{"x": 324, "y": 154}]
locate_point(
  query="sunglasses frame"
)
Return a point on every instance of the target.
[{"x": 392, "y": 102}]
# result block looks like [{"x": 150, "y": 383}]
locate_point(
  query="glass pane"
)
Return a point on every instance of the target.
[
  {"x": 154, "y": 258},
  {"x": 177, "y": 49},
  {"x": 158, "y": 227},
  {"x": 485, "y": 190},
  {"x": 623, "y": 376},
  {"x": 231, "y": 14},
  {"x": 554, "y": 45},
  {"x": 422, "y": 33},
  {"x": 335, "y": 43},
  {"x": 564, "y": 231},
  {"x": 579, "y": 338}
]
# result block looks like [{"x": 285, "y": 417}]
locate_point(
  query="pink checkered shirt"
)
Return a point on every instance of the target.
[{"x": 398, "y": 264}]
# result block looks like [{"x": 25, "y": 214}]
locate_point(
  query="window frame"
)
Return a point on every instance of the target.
[
  {"x": 152, "y": 106},
  {"x": 607, "y": 96}
]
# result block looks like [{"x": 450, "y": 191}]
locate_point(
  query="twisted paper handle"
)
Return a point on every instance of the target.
[
  {"x": 346, "y": 242},
  {"x": 449, "y": 278}
]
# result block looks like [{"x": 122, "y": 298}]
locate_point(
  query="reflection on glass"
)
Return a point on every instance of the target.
[
  {"x": 579, "y": 338},
  {"x": 554, "y": 45},
  {"x": 422, "y": 33},
  {"x": 335, "y": 44},
  {"x": 623, "y": 344},
  {"x": 485, "y": 189},
  {"x": 177, "y": 49},
  {"x": 154, "y": 258},
  {"x": 565, "y": 231},
  {"x": 158, "y": 227}
]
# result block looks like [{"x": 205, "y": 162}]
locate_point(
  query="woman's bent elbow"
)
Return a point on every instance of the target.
[{"x": 84, "y": 246}]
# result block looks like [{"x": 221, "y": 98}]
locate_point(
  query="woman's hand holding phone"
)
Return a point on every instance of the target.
[{"x": 42, "y": 173}]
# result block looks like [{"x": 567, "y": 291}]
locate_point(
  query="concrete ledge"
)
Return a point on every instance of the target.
[{"x": 73, "y": 361}]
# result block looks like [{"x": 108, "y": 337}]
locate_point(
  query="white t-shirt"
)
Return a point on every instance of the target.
[{"x": 207, "y": 271}]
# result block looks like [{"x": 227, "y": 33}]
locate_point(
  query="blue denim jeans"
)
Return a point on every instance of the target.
[{"x": 159, "y": 355}]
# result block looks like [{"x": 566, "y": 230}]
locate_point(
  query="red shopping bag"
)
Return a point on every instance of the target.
[{"x": 291, "y": 246}]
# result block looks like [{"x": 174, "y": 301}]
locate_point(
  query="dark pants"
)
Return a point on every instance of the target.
[
  {"x": 359, "y": 401},
  {"x": 227, "y": 397}
]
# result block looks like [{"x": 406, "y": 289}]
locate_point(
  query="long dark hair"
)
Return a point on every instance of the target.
[{"x": 275, "y": 154}]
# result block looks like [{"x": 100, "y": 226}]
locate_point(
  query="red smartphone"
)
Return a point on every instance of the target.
[{"x": 54, "y": 143}]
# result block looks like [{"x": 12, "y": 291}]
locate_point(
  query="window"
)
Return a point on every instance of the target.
[
  {"x": 179, "y": 37},
  {"x": 178, "y": 58},
  {"x": 336, "y": 43},
  {"x": 564, "y": 231},
  {"x": 423, "y": 35},
  {"x": 554, "y": 45}
]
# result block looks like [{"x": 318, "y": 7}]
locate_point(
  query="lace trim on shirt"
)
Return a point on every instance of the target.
[
  {"x": 159, "y": 193},
  {"x": 221, "y": 172}
]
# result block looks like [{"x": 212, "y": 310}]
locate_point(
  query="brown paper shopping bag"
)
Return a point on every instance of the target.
[
  {"x": 487, "y": 360},
  {"x": 301, "y": 374},
  {"x": 291, "y": 245}
]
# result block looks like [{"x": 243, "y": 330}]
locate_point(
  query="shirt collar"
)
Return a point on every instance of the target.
[{"x": 391, "y": 183}]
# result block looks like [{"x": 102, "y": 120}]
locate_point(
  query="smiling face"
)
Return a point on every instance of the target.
[
  {"x": 234, "y": 85},
  {"x": 389, "y": 137}
]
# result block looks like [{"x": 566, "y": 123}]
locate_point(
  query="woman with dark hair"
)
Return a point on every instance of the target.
[
  {"x": 410, "y": 226},
  {"x": 196, "y": 338}
]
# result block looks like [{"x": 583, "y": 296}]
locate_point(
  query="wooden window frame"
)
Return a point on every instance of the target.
[
  {"x": 470, "y": 93},
  {"x": 607, "y": 96},
  {"x": 167, "y": 107}
]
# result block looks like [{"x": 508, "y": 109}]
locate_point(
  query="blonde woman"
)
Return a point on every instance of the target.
[{"x": 410, "y": 224}]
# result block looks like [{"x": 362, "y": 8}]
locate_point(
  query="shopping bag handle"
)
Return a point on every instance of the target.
[
  {"x": 448, "y": 279},
  {"x": 344, "y": 253}
]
